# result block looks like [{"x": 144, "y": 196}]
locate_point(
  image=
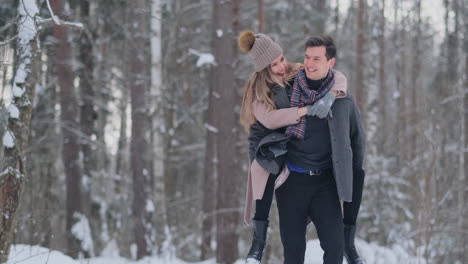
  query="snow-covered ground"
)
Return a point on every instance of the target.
[{"x": 374, "y": 254}]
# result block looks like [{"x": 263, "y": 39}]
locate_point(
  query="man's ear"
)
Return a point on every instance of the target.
[{"x": 331, "y": 62}]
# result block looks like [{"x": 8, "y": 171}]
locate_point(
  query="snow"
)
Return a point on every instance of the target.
[
  {"x": 371, "y": 252},
  {"x": 17, "y": 91},
  {"x": 219, "y": 33},
  {"x": 111, "y": 250},
  {"x": 203, "y": 58},
  {"x": 27, "y": 9},
  {"x": 211, "y": 128},
  {"x": 149, "y": 206},
  {"x": 20, "y": 77},
  {"x": 8, "y": 139},
  {"x": 25, "y": 254},
  {"x": 82, "y": 231},
  {"x": 13, "y": 111}
]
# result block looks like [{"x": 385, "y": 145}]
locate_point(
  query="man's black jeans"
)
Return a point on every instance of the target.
[{"x": 316, "y": 196}]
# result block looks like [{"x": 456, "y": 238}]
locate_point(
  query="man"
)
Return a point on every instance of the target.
[{"x": 322, "y": 156}]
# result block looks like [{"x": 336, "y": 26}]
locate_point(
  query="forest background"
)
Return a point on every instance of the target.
[{"x": 120, "y": 122}]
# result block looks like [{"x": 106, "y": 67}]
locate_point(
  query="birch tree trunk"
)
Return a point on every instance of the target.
[
  {"x": 163, "y": 236},
  {"x": 15, "y": 138}
]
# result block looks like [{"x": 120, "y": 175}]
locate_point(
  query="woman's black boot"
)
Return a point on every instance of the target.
[
  {"x": 258, "y": 242},
  {"x": 350, "y": 251}
]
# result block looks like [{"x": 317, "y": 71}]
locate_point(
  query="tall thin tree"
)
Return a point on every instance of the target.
[
  {"x": 69, "y": 119},
  {"x": 227, "y": 207},
  {"x": 138, "y": 46},
  {"x": 15, "y": 138}
]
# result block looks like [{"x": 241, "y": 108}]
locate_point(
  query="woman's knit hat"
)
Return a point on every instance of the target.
[{"x": 261, "y": 48}]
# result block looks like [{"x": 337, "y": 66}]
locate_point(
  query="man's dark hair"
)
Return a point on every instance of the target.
[{"x": 323, "y": 40}]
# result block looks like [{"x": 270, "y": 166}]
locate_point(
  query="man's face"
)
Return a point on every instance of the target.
[{"x": 316, "y": 63}]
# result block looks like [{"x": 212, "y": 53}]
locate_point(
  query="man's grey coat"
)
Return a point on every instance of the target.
[{"x": 346, "y": 134}]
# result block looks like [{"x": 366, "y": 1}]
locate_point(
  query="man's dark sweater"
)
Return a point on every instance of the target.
[{"x": 314, "y": 151}]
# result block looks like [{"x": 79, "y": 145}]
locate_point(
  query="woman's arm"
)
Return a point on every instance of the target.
[
  {"x": 340, "y": 87},
  {"x": 276, "y": 118}
]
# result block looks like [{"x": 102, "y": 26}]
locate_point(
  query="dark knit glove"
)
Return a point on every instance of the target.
[{"x": 322, "y": 106}]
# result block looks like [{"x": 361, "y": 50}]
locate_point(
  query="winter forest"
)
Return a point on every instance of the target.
[{"x": 121, "y": 135}]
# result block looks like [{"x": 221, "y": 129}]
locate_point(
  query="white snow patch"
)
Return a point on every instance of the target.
[
  {"x": 82, "y": 231},
  {"x": 26, "y": 254},
  {"x": 371, "y": 252},
  {"x": 17, "y": 91},
  {"x": 133, "y": 250},
  {"x": 211, "y": 128},
  {"x": 111, "y": 250},
  {"x": 13, "y": 111},
  {"x": 219, "y": 33},
  {"x": 21, "y": 73},
  {"x": 8, "y": 139},
  {"x": 203, "y": 58},
  {"x": 27, "y": 9},
  {"x": 149, "y": 206}
]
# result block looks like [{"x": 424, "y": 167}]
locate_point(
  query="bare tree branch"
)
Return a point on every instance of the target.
[{"x": 8, "y": 41}]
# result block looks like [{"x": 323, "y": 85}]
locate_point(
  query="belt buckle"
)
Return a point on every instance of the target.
[{"x": 314, "y": 172}]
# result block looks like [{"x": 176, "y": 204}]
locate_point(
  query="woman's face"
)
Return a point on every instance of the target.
[{"x": 278, "y": 66}]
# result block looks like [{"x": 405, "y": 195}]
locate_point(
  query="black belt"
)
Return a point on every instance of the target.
[{"x": 318, "y": 172}]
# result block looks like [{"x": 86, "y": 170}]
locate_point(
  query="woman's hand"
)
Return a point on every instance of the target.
[{"x": 302, "y": 111}]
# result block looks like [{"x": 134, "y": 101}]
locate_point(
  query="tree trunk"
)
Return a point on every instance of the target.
[
  {"x": 138, "y": 80},
  {"x": 416, "y": 84},
  {"x": 464, "y": 102},
  {"x": 382, "y": 82},
  {"x": 69, "y": 117},
  {"x": 460, "y": 88},
  {"x": 261, "y": 17},
  {"x": 360, "y": 100},
  {"x": 227, "y": 208},
  {"x": 336, "y": 19},
  {"x": 320, "y": 19},
  {"x": 87, "y": 124},
  {"x": 15, "y": 138},
  {"x": 157, "y": 141},
  {"x": 209, "y": 181}
]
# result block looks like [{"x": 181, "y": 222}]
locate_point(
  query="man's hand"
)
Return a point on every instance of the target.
[{"x": 322, "y": 106}]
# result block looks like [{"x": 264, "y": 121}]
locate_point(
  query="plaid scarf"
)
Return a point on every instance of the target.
[{"x": 302, "y": 95}]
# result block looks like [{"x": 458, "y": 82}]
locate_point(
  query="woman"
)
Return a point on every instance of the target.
[{"x": 272, "y": 74}]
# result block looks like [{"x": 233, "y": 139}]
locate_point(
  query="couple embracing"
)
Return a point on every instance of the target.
[{"x": 306, "y": 144}]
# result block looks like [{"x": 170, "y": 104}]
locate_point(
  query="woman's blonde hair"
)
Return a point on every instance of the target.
[{"x": 259, "y": 88}]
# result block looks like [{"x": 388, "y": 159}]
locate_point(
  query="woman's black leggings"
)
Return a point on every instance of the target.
[
  {"x": 263, "y": 206},
  {"x": 351, "y": 209}
]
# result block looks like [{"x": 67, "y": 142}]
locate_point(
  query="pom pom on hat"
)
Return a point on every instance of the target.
[{"x": 246, "y": 41}]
